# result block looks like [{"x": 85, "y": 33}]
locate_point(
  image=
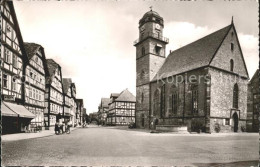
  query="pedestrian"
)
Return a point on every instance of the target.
[{"x": 56, "y": 129}]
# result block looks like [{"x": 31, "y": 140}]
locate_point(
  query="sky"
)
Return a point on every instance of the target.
[{"x": 93, "y": 40}]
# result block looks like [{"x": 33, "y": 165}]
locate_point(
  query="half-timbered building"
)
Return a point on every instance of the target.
[
  {"x": 103, "y": 109},
  {"x": 13, "y": 57},
  {"x": 35, "y": 73},
  {"x": 53, "y": 94},
  {"x": 121, "y": 108},
  {"x": 70, "y": 106},
  {"x": 79, "y": 112}
]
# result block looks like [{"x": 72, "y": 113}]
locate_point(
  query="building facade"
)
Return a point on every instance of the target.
[
  {"x": 13, "y": 58},
  {"x": 35, "y": 73},
  {"x": 102, "y": 110},
  {"x": 79, "y": 112},
  {"x": 121, "y": 109},
  {"x": 70, "y": 105},
  {"x": 202, "y": 85},
  {"x": 253, "y": 104},
  {"x": 53, "y": 94}
]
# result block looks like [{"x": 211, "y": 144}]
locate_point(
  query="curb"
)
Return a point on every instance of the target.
[{"x": 52, "y": 134}]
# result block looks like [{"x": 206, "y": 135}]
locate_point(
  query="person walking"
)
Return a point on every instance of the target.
[{"x": 56, "y": 129}]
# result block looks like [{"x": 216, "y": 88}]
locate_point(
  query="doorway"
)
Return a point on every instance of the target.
[
  {"x": 142, "y": 116},
  {"x": 235, "y": 122}
]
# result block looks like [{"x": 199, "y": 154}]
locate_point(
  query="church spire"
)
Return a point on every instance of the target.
[{"x": 232, "y": 20}]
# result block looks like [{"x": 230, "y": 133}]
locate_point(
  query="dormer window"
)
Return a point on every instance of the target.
[
  {"x": 231, "y": 65},
  {"x": 232, "y": 47}
]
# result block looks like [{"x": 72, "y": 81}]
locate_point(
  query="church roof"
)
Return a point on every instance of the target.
[
  {"x": 126, "y": 96},
  {"x": 194, "y": 55},
  {"x": 66, "y": 84},
  {"x": 31, "y": 49}
]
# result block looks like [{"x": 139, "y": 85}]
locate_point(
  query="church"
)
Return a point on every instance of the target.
[{"x": 202, "y": 85}]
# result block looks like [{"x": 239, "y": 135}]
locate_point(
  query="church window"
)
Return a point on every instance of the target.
[
  {"x": 5, "y": 80},
  {"x": 235, "y": 96},
  {"x": 232, "y": 34},
  {"x": 142, "y": 98},
  {"x": 173, "y": 98},
  {"x": 143, "y": 51},
  {"x": 174, "y": 102},
  {"x": 232, "y": 46},
  {"x": 194, "y": 94},
  {"x": 231, "y": 65},
  {"x": 162, "y": 112},
  {"x": 156, "y": 102}
]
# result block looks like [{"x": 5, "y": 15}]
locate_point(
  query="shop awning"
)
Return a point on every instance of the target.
[
  {"x": 20, "y": 110},
  {"x": 5, "y": 111}
]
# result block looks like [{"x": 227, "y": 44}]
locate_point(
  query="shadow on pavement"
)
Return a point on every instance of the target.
[{"x": 229, "y": 164}]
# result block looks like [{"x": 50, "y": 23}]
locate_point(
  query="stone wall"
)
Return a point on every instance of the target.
[{"x": 222, "y": 85}]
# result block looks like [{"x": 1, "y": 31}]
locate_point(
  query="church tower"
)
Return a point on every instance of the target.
[{"x": 150, "y": 55}]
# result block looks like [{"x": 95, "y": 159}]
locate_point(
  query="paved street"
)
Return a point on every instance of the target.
[{"x": 118, "y": 146}]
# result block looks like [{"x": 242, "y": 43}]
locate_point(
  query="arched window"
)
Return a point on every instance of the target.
[
  {"x": 231, "y": 65},
  {"x": 162, "y": 112},
  {"x": 235, "y": 96},
  {"x": 143, "y": 51},
  {"x": 156, "y": 102},
  {"x": 232, "y": 46},
  {"x": 194, "y": 94},
  {"x": 142, "y": 97},
  {"x": 173, "y": 99}
]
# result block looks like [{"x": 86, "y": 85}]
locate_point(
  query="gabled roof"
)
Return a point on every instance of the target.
[
  {"x": 52, "y": 66},
  {"x": 126, "y": 96},
  {"x": 104, "y": 102},
  {"x": 31, "y": 49},
  {"x": 256, "y": 75},
  {"x": 66, "y": 84},
  {"x": 194, "y": 55}
]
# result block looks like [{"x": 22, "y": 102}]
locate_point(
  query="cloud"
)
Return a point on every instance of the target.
[{"x": 249, "y": 46}]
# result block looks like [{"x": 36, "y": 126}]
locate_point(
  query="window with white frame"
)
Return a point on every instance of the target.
[{"x": 7, "y": 55}]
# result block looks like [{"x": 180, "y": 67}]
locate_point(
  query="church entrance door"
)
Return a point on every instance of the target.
[{"x": 235, "y": 122}]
